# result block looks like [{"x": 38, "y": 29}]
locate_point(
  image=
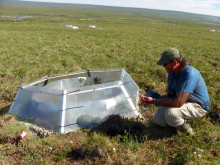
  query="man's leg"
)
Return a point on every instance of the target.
[
  {"x": 159, "y": 117},
  {"x": 176, "y": 116}
]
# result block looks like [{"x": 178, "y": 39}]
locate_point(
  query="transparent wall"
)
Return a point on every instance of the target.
[
  {"x": 41, "y": 102},
  {"x": 93, "y": 87},
  {"x": 42, "y": 90},
  {"x": 38, "y": 108},
  {"x": 38, "y": 82},
  {"x": 75, "y": 83},
  {"x": 107, "y": 75},
  {"x": 66, "y": 76},
  {"x": 89, "y": 108},
  {"x": 130, "y": 86}
]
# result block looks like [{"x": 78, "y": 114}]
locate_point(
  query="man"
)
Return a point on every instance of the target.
[{"x": 187, "y": 96}]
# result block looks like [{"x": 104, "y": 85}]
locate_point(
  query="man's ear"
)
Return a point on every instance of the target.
[{"x": 175, "y": 62}]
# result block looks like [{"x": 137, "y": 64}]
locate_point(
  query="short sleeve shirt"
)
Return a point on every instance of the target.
[{"x": 190, "y": 81}]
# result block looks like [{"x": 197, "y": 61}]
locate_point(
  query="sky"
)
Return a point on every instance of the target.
[{"x": 207, "y": 7}]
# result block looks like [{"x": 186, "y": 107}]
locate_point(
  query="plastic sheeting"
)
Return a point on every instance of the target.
[
  {"x": 70, "y": 101},
  {"x": 72, "y": 27}
]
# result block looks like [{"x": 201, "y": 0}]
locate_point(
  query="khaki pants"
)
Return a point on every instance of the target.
[{"x": 175, "y": 117}]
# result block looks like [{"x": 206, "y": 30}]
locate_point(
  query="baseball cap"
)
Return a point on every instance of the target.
[{"x": 168, "y": 55}]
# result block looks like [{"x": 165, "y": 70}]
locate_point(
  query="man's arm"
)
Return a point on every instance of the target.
[
  {"x": 177, "y": 101},
  {"x": 171, "y": 94}
]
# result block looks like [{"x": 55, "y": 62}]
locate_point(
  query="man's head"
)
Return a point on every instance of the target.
[
  {"x": 171, "y": 60},
  {"x": 169, "y": 55}
]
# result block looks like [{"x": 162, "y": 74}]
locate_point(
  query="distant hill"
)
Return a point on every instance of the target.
[{"x": 151, "y": 13}]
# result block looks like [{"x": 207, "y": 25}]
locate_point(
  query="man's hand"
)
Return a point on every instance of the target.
[{"x": 147, "y": 100}]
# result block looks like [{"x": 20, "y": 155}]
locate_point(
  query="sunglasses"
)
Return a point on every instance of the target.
[{"x": 165, "y": 64}]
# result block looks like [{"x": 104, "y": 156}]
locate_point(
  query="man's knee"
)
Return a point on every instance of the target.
[
  {"x": 155, "y": 120},
  {"x": 173, "y": 117},
  {"x": 159, "y": 122},
  {"x": 159, "y": 117}
]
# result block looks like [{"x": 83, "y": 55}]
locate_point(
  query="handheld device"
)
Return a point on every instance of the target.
[{"x": 152, "y": 94}]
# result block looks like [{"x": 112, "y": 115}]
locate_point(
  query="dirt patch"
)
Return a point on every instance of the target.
[
  {"x": 117, "y": 125},
  {"x": 5, "y": 109},
  {"x": 9, "y": 139},
  {"x": 214, "y": 116}
]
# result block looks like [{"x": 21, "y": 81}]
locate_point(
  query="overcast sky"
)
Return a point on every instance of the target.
[{"x": 208, "y": 7}]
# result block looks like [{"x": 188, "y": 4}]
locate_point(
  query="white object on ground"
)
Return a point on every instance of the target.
[{"x": 23, "y": 134}]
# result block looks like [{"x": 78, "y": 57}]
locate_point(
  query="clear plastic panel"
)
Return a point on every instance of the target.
[
  {"x": 20, "y": 109},
  {"x": 66, "y": 76},
  {"x": 71, "y": 83},
  {"x": 69, "y": 74},
  {"x": 42, "y": 109},
  {"x": 93, "y": 87},
  {"x": 106, "y": 70},
  {"x": 85, "y": 109},
  {"x": 131, "y": 87},
  {"x": 84, "y": 73},
  {"x": 25, "y": 96},
  {"x": 125, "y": 78},
  {"x": 70, "y": 128},
  {"x": 123, "y": 72},
  {"x": 64, "y": 84},
  {"x": 37, "y": 82},
  {"x": 132, "y": 91},
  {"x": 42, "y": 90},
  {"x": 107, "y": 75},
  {"x": 51, "y": 91},
  {"x": 40, "y": 84},
  {"x": 31, "y": 88}
]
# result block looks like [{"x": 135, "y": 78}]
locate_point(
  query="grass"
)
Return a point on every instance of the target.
[{"x": 33, "y": 48}]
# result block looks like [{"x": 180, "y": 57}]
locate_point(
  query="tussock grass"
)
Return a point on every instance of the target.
[{"x": 33, "y": 48}]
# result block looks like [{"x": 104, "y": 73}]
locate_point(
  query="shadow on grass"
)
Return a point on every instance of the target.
[
  {"x": 4, "y": 110},
  {"x": 116, "y": 125},
  {"x": 214, "y": 116}
]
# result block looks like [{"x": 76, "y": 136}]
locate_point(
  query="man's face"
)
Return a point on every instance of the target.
[{"x": 169, "y": 66}]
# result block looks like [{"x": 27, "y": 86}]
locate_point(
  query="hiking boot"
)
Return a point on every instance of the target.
[{"x": 186, "y": 128}]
